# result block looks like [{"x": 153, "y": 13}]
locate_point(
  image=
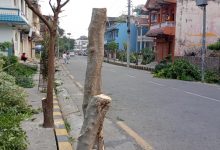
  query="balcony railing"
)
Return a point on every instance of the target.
[
  {"x": 163, "y": 24},
  {"x": 10, "y": 13}
]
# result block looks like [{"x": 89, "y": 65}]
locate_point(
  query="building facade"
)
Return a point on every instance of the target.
[
  {"x": 142, "y": 40},
  {"x": 19, "y": 26},
  {"x": 81, "y": 44},
  {"x": 162, "y": 22},
  {"x": 189, "y": 25}
]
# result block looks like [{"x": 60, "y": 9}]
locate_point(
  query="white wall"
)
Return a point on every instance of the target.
[
  {"x": 6, "y": 33},
  {"x": 189, "y": 24},
  {"x": 7, "y": 3}
]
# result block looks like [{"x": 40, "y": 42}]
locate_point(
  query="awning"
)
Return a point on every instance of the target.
[
  {"x": 15, "y": 19},
  {"x": 170, "y": 31}
]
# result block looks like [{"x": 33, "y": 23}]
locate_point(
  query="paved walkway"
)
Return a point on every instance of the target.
[
  {"x": 39, "y": 138},
  {"x": 70, "y": 99}
]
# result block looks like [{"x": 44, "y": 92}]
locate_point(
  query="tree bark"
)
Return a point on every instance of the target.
[
  {"x": 92, "y": 84},
  {"x": 48, "y": 115},
  {"x": 52, "y": 26},
  {"x": 94, "y": 118}
]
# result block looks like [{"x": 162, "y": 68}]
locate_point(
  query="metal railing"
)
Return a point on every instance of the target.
[
  {"x": 13, "y": 11},
  {"x": 9, "y": 11},
  {"x": 163, "y": 24}
]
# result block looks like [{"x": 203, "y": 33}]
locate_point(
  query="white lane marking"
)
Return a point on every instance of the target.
[
  {"x": 131, "y": 76},
  {"x": 112, "y": 70},
  {"x": 71, "y": 76},
  {"x": 133, "y": 134},
  {"x": 79, "y": 85},
  {"x": 212, "y": 99},
  {"x": 156, "y": 83}
]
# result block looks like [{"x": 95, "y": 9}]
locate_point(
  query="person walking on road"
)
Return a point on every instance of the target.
[
  {"x": 64, "y": 58},
  {"x": 67, "y": 57}
]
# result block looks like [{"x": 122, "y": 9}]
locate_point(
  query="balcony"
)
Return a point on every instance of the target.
[
  {"x": 144, "y": 38},
  {"x": 163, "y": 24},
  {"x": 165, "y": 28},
  {"x": 13, "y": 16}
]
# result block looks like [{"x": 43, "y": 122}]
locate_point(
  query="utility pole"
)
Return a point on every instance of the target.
[
  {"x": 128, "y": 32},
  {"x": 203, "y": 4},
  {"x": 203, "y": 41}
]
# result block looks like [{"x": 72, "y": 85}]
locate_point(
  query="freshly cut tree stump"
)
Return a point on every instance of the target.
[{"x": 93, "y": 122}]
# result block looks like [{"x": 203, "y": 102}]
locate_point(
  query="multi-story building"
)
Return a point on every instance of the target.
[
  {"x": 19, "y": 26},
  {"x": 81, "y": 44},
  {"x": 142, "y": 40},
  {"x": 162, "y": 22},
  {"x": 189, "y": 25},
  {"x": 116, "y": 30}
]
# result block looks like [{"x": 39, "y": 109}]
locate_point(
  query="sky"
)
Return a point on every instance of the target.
[{"x": 76, "y": 15}]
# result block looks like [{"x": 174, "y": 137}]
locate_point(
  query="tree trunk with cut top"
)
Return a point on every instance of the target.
[{"x": 94, "y": 113}]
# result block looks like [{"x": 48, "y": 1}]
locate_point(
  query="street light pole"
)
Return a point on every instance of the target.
[
  {"x": 128, "y": 32},
  {"x": 69, "y": 40}
]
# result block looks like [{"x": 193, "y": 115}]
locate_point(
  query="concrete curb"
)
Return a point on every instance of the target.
[
  {"x": 60, "y": 131},
  {"x": 140, "y": 67}
]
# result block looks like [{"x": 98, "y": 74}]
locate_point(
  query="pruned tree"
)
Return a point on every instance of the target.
[
  {"x": 95, "y": 104},
  {"x": 52, "y": 27}
]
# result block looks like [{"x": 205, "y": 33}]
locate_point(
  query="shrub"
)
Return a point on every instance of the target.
[
  {"x": 121, "y": 55},
  {"x": 9, "y": 60},
  {"x": 215, "y": 46},
  {"x": 212, "y": 77},
  {"x": 13, "y": 109},
  {"x": 180, "y": 69},
  {"x": 23, "y": 74},
  {"x": 148, "y": 56},
  {"x": 163, "y": 64},
  {"x": 133, "y": 58}
]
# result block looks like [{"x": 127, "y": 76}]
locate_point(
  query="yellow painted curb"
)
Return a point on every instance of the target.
[
  {"x": 57, "y": 113},
  {"x": 64, "y": 146},
  {"x": 56, "y": 106},
  {"x": 58, "y": 121},
  {"x": 55, "y": 101},
  {"x": 61, "y": 132}
]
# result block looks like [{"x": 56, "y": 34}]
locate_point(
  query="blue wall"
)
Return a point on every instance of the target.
[{"x": 121, "y": 36}]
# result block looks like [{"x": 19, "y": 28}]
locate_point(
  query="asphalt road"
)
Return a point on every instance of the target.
[{"x": 168, "y": 114}]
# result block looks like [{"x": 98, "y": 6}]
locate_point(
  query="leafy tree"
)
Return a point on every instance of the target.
[{"x": 112, "y": 46}]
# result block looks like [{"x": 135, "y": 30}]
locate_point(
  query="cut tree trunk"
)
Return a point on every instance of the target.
[
  {"x": 92, "y": 134},
  {"x": 93, "y": 121},
  {"x": 92, "y": 84}
]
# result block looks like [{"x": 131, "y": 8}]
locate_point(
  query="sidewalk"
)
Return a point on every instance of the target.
[
  {"x": 70, "y": 97},
  {"x": 39, "y": 138}
]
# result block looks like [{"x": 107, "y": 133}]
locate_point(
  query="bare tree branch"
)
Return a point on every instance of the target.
[
  {"x": 52, "y": 7},
  {"x": 62, "y": 5},
  {"x": 38, "y": 13}
]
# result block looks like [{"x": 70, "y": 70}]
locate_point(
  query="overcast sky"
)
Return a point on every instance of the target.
[{"x": 76, "y": 16}]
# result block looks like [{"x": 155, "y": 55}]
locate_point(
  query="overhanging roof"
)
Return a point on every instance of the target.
[
  {"x": 169, "y": 31},
  {"x": 16, "y": 19}
]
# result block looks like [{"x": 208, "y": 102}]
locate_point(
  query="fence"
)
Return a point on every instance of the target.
[{"x": 211, "y": 63}]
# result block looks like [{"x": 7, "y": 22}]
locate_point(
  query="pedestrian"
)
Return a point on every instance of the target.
[
  {"x": 23, "y": 57},
  {"x": 67, "y": 57},
  {"x": 64, "y": 58}
]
